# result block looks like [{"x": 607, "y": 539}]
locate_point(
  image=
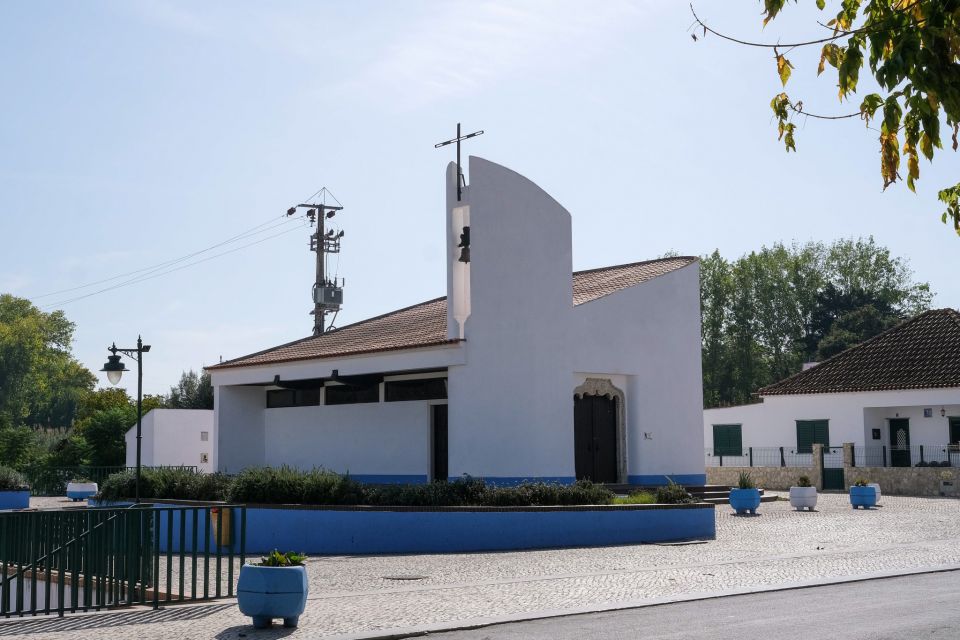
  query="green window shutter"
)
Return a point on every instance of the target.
[
  {"x": 810, "y": 432},
  {"x": 727, "y": 440}
]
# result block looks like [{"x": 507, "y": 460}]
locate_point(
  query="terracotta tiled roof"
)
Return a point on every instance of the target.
[
  {"x": 425, "y": 324},
  {"x": 596, "y": 283},
  {"x": 922, "y": 353}
]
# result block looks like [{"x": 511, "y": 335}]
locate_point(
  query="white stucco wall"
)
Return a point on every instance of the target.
[
  {"x": 383, "y": 439},
  {"x": 511, "y": 404},
  {"x": 172, "y": 437},
  {"x": 852, "y": 417},
  {"x": 650, "y": 333}
]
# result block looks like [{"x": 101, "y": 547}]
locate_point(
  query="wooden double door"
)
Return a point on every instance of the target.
[{"x": 595, "y": 438}]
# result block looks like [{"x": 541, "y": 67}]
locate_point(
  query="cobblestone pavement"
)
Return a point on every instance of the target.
[{"x": 350, "y": 595}]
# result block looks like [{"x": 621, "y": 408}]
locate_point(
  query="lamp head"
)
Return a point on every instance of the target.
[{"x": 114, "y": 368}]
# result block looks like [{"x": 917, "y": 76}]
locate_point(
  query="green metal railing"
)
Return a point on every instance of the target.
[
  {"x": 89, "y": 559},
  {"x": 52, "y": 481}
]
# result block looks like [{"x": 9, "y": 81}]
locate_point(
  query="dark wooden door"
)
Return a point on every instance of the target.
[
  {"x": 440, "y": 455},
  {"x": 900, "y": 442},
  {"x": 595, "y": 438},
  {"x": 954, "y": 431}
]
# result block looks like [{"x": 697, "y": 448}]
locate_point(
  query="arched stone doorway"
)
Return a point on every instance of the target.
[{"x": 599, "y": 432}]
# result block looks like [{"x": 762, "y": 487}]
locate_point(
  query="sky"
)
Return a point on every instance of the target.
[{"x": 136, "y": 132}]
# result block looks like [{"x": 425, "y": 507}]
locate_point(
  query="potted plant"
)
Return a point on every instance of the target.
[
  {"x": 81, "y": 489},
  {"x": 745, "y": 497},
  {"x": 803, "y": 494},
  {"x": 862, "y": 494},
  {"x": 14, "y": 492},
  {"x": 274, "y": 588}
]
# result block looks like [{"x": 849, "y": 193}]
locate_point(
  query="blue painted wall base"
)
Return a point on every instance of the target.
[
  {"x": 330, "y": 531},
  {"x": 14, "y": 500}
]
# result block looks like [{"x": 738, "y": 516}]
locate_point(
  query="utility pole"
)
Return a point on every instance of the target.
[{"x": 327, "y": 294}]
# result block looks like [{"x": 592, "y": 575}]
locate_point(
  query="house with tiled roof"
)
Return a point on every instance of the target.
[
  {"x": 897, "y": 394},
  {"x": 523, "y": 370}
]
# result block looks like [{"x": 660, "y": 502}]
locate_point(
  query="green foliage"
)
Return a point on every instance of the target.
[
  {"x": 10, "y": 480},
  {"x": 288, "y": 559},
  {"x": 637, "y": 497},
  {"x": 285, "y": 485},
  {"x": 860, "y": 482},
  {"x": 766, "y": 313},
  {"x": 673, "y": 493},
  {"x": 104, "y": 432},
  {"x": 192, "y": 392},
  {"x": 912, "y": 50},
  {"x": 803, "y": 481},
  {"x": 40, "y": 382},
  {"x": 170, "y": 483},
  {"x": 745, "y": 481}
]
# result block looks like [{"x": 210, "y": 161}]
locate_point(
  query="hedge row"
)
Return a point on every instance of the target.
[
  {"x": 11, "y": 480},
  {"x": 285, "y": 485}
]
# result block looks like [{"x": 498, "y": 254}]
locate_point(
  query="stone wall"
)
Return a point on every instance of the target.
[
  {"x": 906, "y": 481},
  {"x": 773, "y": 478},
  {"x": 894, "y": 481}
]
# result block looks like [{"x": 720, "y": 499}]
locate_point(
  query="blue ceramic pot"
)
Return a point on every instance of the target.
[
  {"x": 265, "y": 593},
  {"x": 745, "y": 500},
  {"x": 865, "y": 497},
  {"x": 15, "y": 499}
]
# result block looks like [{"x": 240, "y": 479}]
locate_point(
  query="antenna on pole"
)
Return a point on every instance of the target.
[{"x": 327, "y": 292}]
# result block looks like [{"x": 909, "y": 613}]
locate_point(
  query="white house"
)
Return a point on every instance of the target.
[
  {"x": 523, "y": 370},
  {"x": 173, "y": 438},
  {"x": 896, "y": 391}
]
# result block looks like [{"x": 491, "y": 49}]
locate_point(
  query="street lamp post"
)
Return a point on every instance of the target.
[{"x": 114, "y": 370}]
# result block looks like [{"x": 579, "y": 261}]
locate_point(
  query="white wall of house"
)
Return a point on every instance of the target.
[
  {"x": 852, "y": 417},
  {"x": 173, "y": 437}
]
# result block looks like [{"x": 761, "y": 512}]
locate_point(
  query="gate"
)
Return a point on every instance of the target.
[
  {"x": 832, "y": 460},
  {"x": 90, "y": 559}
]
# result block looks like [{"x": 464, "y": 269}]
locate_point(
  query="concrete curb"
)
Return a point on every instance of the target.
[{"x": 477, "y": 623}]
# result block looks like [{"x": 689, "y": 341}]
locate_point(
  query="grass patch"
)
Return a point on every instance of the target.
[{"x": 640, "y": 497}]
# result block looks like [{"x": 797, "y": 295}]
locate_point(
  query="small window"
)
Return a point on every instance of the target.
[
  {"x": 204, "y": 436},
  {"x": 727, "y": 440},
  {"x": 424, "y": 389},
  {"x": 350, "y": 394},
  {"x": 811, "y": 432},
  {"x": 280, "y": 398}
]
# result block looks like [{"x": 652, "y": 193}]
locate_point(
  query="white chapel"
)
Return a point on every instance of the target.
[{"x": 524, "y": 370}]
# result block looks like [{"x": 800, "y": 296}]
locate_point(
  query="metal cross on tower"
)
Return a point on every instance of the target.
[{"x": 457, "y": 140}]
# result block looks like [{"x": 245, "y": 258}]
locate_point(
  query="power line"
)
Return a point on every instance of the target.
[
  {"x": 150, "y": 275},
  {"x": 253, "y": 231}
]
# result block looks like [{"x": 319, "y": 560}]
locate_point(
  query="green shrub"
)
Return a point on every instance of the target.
[
  {"x": 745, "y": 481},
  {"x": 288, "y": 559},
  {"x": 171, "y": 484},
  {"x": 10, "y": 480},
  {"x": 673, "y": 493},
  {"x": 803, "y": 481},
  {"x": 286, "y": 485},
  {"x": 860, "y": 482}
]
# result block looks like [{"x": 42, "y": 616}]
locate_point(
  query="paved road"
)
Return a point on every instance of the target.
[
  {"x": 359, "y": 596},
  {"x": 924, "y": 606}
]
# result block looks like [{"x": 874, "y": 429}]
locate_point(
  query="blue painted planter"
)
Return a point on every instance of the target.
[
  {"x": 865, "y": 497},
  {"x": 15, "y": 499},
  {"x": 265, "y": 593},
  {"x": 745, "y": 500}
]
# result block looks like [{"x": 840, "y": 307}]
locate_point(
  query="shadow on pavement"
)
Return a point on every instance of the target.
[
  {"x": 54, "y": 624},
  {"x": 242, "y": 631}
]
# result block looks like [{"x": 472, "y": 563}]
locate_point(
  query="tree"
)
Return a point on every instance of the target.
[
  {"x": 766, "y": 313},
  {"x": 192, "y": 392},
  {"x": 40, "y": 382},
  {"x": 913, "y": 49},
  {"x": 104, "y": 433}
]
